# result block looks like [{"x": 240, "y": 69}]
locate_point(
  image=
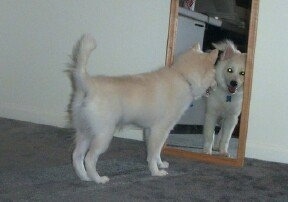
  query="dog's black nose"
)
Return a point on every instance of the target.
[{"x": 233, "y": 83}]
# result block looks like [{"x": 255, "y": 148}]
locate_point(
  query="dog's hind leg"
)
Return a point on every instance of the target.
[
  {"x": 82, "y": 145},
  {"x": 99, "y": 145},
  {"x": 155, "y": 143}
]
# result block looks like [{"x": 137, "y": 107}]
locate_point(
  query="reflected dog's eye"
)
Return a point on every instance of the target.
[
  {"x": 230, "y": 70},
  {"x": 242, "y": 73}
]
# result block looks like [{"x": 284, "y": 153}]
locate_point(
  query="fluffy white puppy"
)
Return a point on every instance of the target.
[
  {"x": 153, "y": 101},
  {"x": 224, "y": 104}
]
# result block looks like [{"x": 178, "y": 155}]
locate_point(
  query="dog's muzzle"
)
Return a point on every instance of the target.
[{"x": 232, "y": 87}]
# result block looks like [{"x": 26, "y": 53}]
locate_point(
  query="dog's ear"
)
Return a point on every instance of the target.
[
  {"x": 196, "y": 47},
  {"x": 213, "y": 55}
]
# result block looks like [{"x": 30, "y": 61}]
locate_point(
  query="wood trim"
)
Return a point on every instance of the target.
[
  {"x": 239, "y": 161},
  {"x": 201, "y": 157},
  {"x": 172, "y": 31},
  {"x": 248, "y": 80}
]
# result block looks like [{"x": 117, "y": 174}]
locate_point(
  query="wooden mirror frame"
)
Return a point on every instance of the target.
[{"x": 172, "y": 32}]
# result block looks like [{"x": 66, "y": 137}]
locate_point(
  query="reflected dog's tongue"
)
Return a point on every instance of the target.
[{"x": 232, "y": 89}]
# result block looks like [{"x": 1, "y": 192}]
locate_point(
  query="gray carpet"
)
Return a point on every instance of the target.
[{"x": 35, "y": 165}]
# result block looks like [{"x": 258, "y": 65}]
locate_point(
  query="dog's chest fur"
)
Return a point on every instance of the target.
[{"x": 224, "y": 104}]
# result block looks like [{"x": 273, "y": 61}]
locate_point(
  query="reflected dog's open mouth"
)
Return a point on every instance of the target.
[{"x": 232, "y": 89}]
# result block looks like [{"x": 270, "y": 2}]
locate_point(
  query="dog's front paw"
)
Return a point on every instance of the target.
[
  {"x": 225, "y": 154},
  {"x": 163, "y": 164},
  {"x": 102, "y": 180},
  {"x": 160, "y": 173},
  {"x": 207, "y": 151},
  {"x": 85, "y": 178}
]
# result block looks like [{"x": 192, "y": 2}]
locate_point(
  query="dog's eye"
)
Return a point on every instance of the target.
[
  {"x": 242, "y": 73},
  {"x": 230, "y": 70}
]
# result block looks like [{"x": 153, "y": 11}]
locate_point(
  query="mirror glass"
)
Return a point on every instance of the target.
[{"x": 207, "y": 22}]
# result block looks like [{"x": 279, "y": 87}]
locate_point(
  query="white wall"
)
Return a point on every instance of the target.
[
  {"x": 36, "y": 38},
  {"x": 268, "y": 128}
]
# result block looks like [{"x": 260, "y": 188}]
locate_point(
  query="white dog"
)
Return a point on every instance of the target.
[
  {"x": 153, "y": 101},
  {"x": 224, "y": 104}
]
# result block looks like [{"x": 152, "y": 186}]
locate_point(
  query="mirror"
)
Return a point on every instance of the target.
[{"x": 214, "y": 21}]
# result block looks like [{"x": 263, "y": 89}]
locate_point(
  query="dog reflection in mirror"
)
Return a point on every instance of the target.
[{"x": 224, "y": 104}]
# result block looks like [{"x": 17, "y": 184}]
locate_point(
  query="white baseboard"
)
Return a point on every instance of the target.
[
  {"x": 130, "y": 132},
  {"x": 266, "y": 152},
  {"x": 33, "y": 114},
  {"x": 59, "y": 119}
]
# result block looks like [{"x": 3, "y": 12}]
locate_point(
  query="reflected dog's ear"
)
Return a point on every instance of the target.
[
  {"x": 228, "y": 48},
  {"x": 227, "y": 54}
]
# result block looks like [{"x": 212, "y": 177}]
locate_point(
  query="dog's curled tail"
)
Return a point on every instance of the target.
[{"x": 80, "y": 54}]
